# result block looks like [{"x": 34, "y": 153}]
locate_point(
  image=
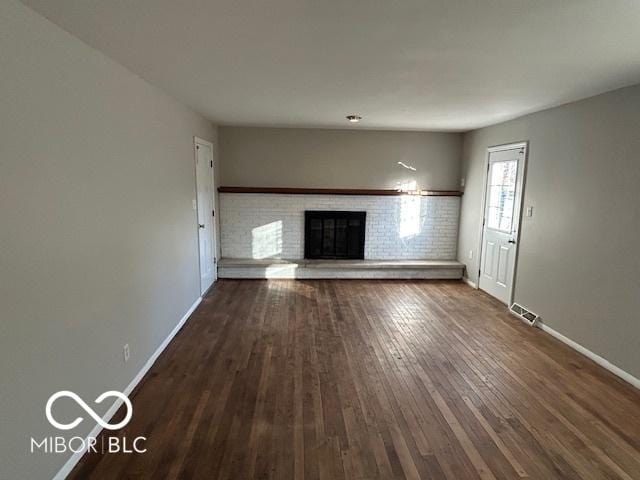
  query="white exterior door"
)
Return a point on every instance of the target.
[
  {"x": 206, "y": 210},
  {"x": 501, "y": 220}
]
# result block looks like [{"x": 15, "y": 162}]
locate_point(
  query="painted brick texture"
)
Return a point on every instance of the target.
[{"x": 398, "y": 227}]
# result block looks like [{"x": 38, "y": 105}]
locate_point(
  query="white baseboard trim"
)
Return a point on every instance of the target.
[
  {"x": 75, "y": 458},
  {"x": 470, "y": 283},
  {"x": 627, "y": 377}
]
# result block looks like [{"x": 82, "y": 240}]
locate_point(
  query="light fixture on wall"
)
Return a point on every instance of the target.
[{"x": 354, "y": 118}]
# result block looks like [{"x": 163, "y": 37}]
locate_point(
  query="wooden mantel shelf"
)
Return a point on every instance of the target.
[{"x": 335, "y": 191}]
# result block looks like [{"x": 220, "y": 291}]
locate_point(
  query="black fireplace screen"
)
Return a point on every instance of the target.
[{"x": 337, "y": 235}]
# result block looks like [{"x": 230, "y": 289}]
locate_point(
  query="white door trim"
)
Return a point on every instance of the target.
[
  {"x": 201, "y": 141},
  {"x": 520, "y": 185}
]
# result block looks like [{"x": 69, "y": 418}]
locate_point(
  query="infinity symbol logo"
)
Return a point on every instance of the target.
[{"x": 89, "y": 410}]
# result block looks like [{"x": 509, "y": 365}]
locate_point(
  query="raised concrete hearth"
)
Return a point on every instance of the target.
[{"x": 310, "y": 269}]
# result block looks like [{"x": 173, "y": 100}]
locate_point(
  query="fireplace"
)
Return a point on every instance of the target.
[{"x": 334, "y": 234}]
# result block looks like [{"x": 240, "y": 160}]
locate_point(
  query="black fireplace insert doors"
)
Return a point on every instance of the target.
[{"x": 334, "y": 234}]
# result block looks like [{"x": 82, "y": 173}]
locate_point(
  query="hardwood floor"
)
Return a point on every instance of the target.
[{"x": 372, "y": 380}]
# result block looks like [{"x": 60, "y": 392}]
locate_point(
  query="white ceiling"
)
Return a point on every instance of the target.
[{"x": 404, "y": 64}]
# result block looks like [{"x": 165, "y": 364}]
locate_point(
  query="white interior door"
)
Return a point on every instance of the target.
[
  {"x": 500, "y": 229},
  {"x": 206, "y": 211}
]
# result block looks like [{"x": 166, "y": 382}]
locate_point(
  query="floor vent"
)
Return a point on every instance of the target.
[{"x": 529, "y": 317}]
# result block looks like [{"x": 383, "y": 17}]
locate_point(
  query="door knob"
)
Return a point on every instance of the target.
[
  {"x": 511, "y": 240},
  {"x": 201, "y": 225}
]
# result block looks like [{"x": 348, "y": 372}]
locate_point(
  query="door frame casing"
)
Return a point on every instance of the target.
[
  {"x": 520, "y": 186},
  {"x": 201, "y": 141}
]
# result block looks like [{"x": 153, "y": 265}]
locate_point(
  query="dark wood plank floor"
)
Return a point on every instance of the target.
[{"x": 372, "y": 380}]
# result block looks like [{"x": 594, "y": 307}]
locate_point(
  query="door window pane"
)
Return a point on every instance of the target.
[
  {"x": 328, "y": 241},
  {"x": 501, "y": 193},
  {"x": 341, "y": 237}
]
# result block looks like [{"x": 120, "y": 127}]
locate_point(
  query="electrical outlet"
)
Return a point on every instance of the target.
[
  {"x": 470, "y": 254},
  {"x": 529, "y": 211},
  {"x": 125, "y": 352}
]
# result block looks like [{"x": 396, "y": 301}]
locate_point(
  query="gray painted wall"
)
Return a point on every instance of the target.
[
  {"x": 98, "y": 238},
  {"x": 298, "y": 157},
  {"x": 579, "y": 265}
]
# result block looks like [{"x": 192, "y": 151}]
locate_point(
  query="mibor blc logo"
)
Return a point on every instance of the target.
[
  {"x": 90, "y": 444},
  {"x": 88, "y": 409}
]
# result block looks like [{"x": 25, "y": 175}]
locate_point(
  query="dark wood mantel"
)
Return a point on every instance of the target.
[{"x": 335, "y": 191}]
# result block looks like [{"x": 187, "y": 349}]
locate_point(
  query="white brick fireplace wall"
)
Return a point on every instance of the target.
[{"x": 406, "y": 227}]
